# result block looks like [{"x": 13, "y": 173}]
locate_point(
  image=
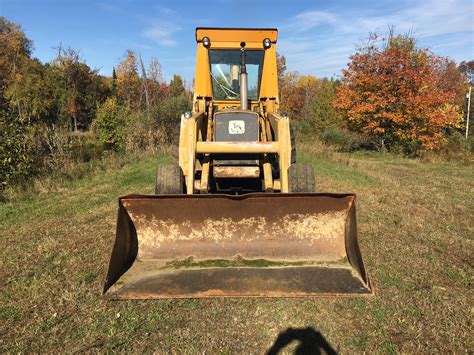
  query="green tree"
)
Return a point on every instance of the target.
[
  {"x": 322, "y": 113},
  {"x": 110, "y": 124},
  {"x": 15, "y": 155},
  {"x": 28, "y": 95},
  {"x": 114, "y": 83},
  {"x": 177, "y": 85},
  {"x": 167, "y": 114},
  {"x": 467, "y": 69}
]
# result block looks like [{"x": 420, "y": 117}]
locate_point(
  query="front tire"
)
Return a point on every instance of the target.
[
  {"x": 301, "y": 178},
  {"x": 169, "y": 180}
]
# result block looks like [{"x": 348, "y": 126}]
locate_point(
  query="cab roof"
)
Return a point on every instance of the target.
[{"x": 217, "y": 35}]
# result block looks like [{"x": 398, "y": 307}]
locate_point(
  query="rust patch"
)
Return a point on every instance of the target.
[
  {"x": 236, "y": 171},
  {"x": 323, "y": 231},
  {"x": 236, "y": 282}
]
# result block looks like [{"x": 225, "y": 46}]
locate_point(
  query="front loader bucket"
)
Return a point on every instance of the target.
[{"x": 285, "y": 245}]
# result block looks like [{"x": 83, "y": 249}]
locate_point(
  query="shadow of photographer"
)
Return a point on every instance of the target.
[{"x": 310, "y": 342}]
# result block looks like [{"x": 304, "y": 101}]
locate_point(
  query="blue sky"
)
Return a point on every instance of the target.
[{"x": 316, "y": 37}]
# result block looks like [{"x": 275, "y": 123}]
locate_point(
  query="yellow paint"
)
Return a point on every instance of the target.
[
  {"x": 234, "y": 35},
  {"x": 237, "y": 147},
  {"x": 231, "y": 39},
  {"x": 195, "y": 146}
]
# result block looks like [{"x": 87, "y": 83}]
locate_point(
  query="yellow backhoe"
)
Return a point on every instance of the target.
[{"x": 237, "y": 215}]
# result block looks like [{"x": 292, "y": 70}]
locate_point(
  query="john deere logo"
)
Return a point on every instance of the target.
[{"x": 236, "y": 127}]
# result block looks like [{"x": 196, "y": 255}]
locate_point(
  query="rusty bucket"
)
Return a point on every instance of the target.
[{"x": 253, "y": 245}]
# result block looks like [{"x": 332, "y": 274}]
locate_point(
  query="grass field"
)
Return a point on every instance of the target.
[{"x": 416, "y": 230}]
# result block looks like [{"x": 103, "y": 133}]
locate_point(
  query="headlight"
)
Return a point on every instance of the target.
[
  {"x": 206, "y": 42},
  {"x": 267, "y": 43}
]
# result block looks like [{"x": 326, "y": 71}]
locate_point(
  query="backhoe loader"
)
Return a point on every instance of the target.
[{"x": 236, "y": 216}]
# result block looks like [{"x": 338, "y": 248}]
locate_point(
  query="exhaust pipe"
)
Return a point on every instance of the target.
[{"x": 243, "y": 80}]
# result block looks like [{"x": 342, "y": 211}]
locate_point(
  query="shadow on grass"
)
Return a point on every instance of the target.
[{"x": 310, "y": 342}]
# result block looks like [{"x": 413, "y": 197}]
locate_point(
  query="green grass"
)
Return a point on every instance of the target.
[
  {"x": 415, "y": 232},
  {"x": 83, "y": 194},
  {"x": 343, "y": 171}
]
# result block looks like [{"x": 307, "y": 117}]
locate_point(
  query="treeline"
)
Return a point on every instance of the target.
[
  {"x": 64, "y": 112},
  {"x": 392, "y": 96}
]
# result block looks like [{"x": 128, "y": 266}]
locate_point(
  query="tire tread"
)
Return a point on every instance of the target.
[
  {"x": 301, "y": 178},
  {"x": 169, "y": 180}
]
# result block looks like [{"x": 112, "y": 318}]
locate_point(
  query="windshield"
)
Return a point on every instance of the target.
[{"x": 225, "y": 69}]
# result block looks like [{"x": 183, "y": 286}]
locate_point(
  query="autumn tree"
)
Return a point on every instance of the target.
[
  {"x": 398, "y": 94},
  {"x": 298, "y": 94},
  {"x": 155, "y": 77},
  {"x": 288, "y": 95},
  {"x": 15, "y": 50},
  {"x": 78, "y": 89},
  {"x": 307, "y": 88},
  {"x": 128, "y": 81},
  {"x": 455, "y": 80},
  {"x": 41, "y": 103},
  {"x": 281, "y": 72}
]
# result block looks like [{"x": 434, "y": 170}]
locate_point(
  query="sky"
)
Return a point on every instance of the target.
[{"x": 316, "y": 37}]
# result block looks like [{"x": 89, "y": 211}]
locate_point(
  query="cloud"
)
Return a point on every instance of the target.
[
  {"x": 165, "y": 10},
  {"x": 161, "y": 33},
  {"x": 159, "y": 27},
  {"x": 307, "y": 20},
  {"x": 162, "y": 29},
  {"x": 320, "y": 41}
]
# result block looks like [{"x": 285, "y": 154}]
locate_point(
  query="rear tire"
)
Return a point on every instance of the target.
[
  {"x": 293, "y": 145},
  {"x": 169, "y": 180},
  {"x": 301, "y": 178}
]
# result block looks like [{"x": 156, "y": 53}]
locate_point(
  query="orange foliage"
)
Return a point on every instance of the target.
[
  {"x": 399, "y": 94},
  {"x": 128, "y": 81},
  {"x": 298, "y": 94}
]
